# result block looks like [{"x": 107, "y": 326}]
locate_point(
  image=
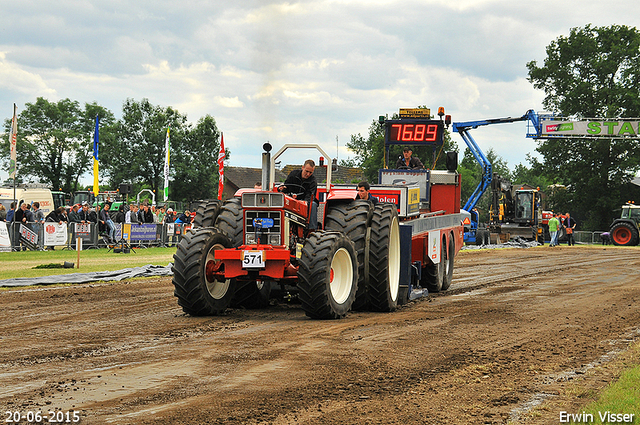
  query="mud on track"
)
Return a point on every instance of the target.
[{"x": 515, "y": 329}]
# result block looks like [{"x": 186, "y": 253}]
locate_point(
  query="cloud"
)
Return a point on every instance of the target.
[{"x": 304, "y": 71}]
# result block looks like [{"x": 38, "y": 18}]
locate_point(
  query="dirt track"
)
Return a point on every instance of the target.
[{"x": 515, "y": 329}]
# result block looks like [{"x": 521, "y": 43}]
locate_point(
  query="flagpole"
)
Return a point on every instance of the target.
[
  {"x": 166, "y": 165},
  {"x": 96, "y": 143},
  {"x": 13, "y": 164},
  {"x": 221, "y": 156}
]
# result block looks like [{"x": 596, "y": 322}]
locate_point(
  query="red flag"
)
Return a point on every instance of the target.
[{"x": 221, "y": 167}]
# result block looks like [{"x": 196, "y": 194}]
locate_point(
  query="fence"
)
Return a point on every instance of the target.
[{"x": 36, "y": 236}]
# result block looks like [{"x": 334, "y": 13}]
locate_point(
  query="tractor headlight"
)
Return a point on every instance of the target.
[
  {"x": 274, "y": 240},
  {"x": 250, "y": 239}
]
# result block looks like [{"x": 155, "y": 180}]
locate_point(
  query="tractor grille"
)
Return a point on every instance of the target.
[{"x": 269, "y": 235}]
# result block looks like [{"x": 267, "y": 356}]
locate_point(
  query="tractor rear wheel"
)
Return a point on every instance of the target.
[
  {"x": 206, "y": 213},
  {"x": 384, "y": 259},
  {"x": 229, "y": 221},
  {"x": 624, "y": 234},
  {"x": 198, "y": 292},
  {"x": 327, "y": 275},
  {"x": 352, "y": 219},
  {"x": 433, "y": 274},
  {"x": 448, "y": 268}
]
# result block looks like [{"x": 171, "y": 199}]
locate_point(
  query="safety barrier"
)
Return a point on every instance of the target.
[{"x": 47, "y": 235}]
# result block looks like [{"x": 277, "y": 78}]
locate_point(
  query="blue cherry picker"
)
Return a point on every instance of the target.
[{"x": 472, "y": 234}]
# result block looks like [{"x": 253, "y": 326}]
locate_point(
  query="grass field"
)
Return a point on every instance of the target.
[
  {"x": 21, "y": 264},
  {"x": 621, "y": 396}
]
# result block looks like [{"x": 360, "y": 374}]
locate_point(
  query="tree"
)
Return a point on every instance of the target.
[
  {"x": 594, "y": 72},
  {"x": 136, "y": 153},
  {"x": 54, "y": 141},
  {"x": 194, "y": 162}
]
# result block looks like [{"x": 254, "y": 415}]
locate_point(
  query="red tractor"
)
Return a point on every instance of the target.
[{"x": 258, "y": 245}]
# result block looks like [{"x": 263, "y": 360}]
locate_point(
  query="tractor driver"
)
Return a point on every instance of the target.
[
  {"x": 408, "y": 161},
  {"x": 302, "y": 184}
]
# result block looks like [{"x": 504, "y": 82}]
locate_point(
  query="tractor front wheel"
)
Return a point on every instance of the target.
[
  {"x": 199, "y": 292},
  {"x": 328, "y": 275}
]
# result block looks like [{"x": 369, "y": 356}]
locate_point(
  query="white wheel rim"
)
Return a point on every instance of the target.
[
  {"x": 341, "y": 276},
  {"x": 216, "y": 288},
  {"x": 394, "y": 259}
]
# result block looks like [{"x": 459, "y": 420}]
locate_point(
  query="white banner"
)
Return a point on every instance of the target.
[
  {"x": 5, "y": 242},
  {"x": 55, "y": 234},
  {"x": 608, "y": 128}
]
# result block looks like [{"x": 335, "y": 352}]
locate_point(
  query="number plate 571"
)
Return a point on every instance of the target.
[{"x": 253, "y": 259}]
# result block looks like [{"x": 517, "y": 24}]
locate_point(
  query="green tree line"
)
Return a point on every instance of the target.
[
  {"x": 592, "y": 73},
  {"x": 55, "y": 146}
]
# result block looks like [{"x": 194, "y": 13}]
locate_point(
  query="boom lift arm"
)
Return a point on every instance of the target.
[{"x": 487, "y": 171}]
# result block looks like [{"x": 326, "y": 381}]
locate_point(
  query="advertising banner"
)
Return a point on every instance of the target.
[
  {"x": 28, "y": 237},
  {"x": 83, "y": 231},
  {"x": 592, "y": 128},
  {"x": 145, "y": 232},
  {"x": 5, "y": 242},
  {"x": 55, "y": 234}
]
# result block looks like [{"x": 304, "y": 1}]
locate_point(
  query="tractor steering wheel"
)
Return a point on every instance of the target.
[{"x": 288, "y": 189}]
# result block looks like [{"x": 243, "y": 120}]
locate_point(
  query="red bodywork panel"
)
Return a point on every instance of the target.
[
  {"x": 277, "y": 261},
  {"x": 445, "y": 198}
]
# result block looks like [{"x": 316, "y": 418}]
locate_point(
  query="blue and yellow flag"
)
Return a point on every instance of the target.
[{"x": 96, "y": 142}]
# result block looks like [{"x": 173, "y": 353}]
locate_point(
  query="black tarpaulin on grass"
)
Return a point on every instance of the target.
[{"x": 143, "y": 271}]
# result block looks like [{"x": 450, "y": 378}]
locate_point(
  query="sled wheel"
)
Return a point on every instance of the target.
[
  {"x": 199, "y": 294},
  {"x": 384, "y": 258},
  {"x": 433, "y": 274},
  {"x": 448, "y": 267},
  {"x": 328, "y": 275}
]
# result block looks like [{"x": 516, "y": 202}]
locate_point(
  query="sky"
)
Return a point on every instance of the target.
[{"x": 294, "y": 72}]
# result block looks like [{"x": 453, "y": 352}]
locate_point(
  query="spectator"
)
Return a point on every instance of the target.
[
  {"x": 38, "y": 213},
  {"x": 56, "y": 216},
  {"x": 184, "y": 217},
  {"x": 554, "y": 224},
  {"x": 93, "y": 215},
  {"x": 74, "y": 216},
  {"x": 38, "y": 216},
  {"x": 29, "y": 214},
  {"x": 3, "y": 213},
  {"x": 408, "y": 161},
  {"x": 363, "y": 192},
  {"x": 258, "y": 185},
  {"x": 145, "y": 215},
  {"x": 169, "y": 217},
  {"x": 160, "y": 215},
  {"x": 11, "y": 213},
  {"x": 84, "y": 213},
  {"x": 119, "y": 215},
  {"x": 569, "y": 225},
  {"x": 133, "y": 214},
  {"x": 19, "y": 218},
  {"x": 105, "y": 220}
]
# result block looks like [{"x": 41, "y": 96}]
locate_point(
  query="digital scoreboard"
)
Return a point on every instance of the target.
[{"x": 414, "y": 131}]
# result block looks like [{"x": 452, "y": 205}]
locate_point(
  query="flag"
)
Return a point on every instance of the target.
[
  {"x": 96, "y": 142},
  {"x": 221, "y": 167},
  {"x": 167, "y": 148},
  {"x": 13, "y": 139}
]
